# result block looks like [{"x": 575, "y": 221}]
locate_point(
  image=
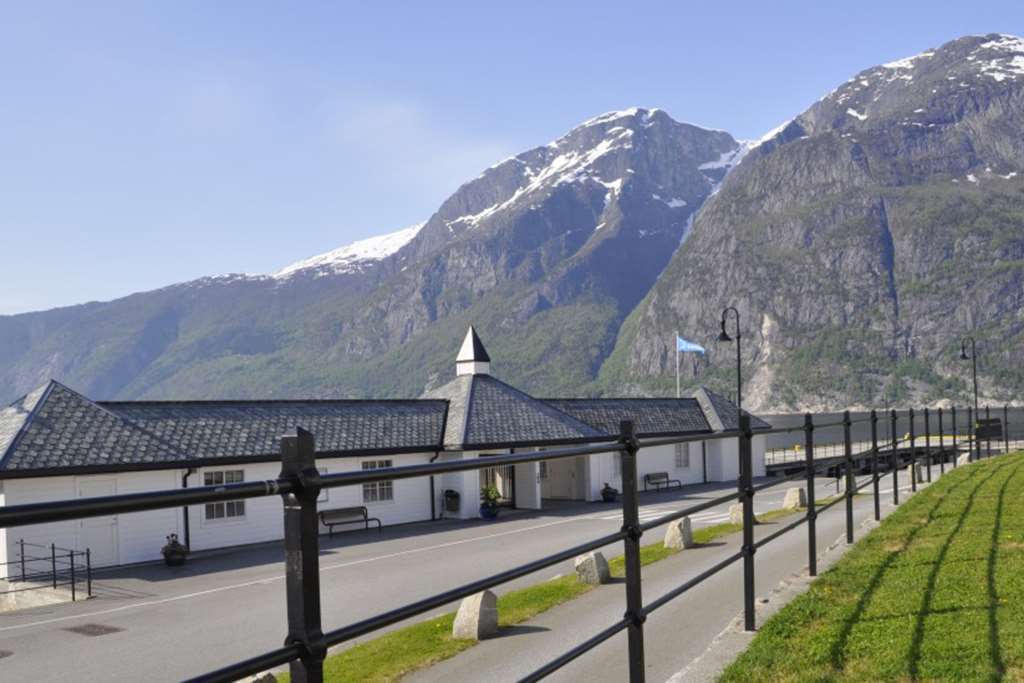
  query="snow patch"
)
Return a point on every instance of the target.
[
  {"x": 971, "y": 178},
  {"x": 355, "y": 256},
  {"x": 908, "y": 62},
  {"x": 856, "y": 114}
]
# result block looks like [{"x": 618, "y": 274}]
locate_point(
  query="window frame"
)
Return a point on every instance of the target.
[
  {"x": 681, "y": 455},
  {"x": 378, "y": 487},
  {"x": 220, "y": 477}
]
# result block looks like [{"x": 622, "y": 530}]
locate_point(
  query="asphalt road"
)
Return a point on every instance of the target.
[{"x": 176, "y": 623}]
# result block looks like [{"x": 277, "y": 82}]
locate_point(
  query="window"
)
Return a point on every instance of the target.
[
  {"x": 378, "y": 491},
  {"x": 231, "y": 508},
  {"x": 682, "y": 456}
]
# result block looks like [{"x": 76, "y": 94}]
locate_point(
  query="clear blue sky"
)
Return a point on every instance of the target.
[{"x": 146, "y": 143}]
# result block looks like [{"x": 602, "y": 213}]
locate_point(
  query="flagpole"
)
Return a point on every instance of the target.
[{"x": 677, "y": 363}]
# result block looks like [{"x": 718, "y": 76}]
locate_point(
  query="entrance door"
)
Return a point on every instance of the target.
[
  {"x": 98, "y": 534},
  {"x": 558, "y": 479}
]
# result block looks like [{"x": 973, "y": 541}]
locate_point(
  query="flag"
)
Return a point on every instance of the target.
[{"x": 687, "y": 346}]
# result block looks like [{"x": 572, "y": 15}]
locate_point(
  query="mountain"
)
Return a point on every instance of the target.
[
  {"x": 861, "y": 242},
  {"x": 546, "y": 252}
]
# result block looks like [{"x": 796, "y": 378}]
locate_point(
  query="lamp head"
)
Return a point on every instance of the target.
[{"x": 724, "y": 336}]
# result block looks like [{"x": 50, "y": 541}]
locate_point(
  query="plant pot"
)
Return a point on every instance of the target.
[
  {"x": 609, "y": 497},
  {"x": 489, "y": 511},
  {"x": 174, "y": 559}
]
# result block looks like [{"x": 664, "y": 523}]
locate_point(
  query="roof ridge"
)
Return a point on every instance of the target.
[{"x": 47, "y": 389}]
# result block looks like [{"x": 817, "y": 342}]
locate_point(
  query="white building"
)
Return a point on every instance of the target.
[{"x": 56, "y": 444}]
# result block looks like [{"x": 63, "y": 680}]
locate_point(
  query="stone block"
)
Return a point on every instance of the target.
[
  {"x": 679, "y": 534},
  {"x": 736, "y": 514},
  {"x": 795, "y": 498},
  {"x": 477, "y": 617},
  {"x": 592, "y": 568},
  {"x": 964, "y": 459}
]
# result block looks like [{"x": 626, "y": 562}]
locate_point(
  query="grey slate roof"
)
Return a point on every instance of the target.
[
  {"x": 486, "y": 412},
  {"x": 62, "y": 429},
  {"x": 723, "y": 413},
  {"x": 54, "y": 428},
  {"x": 238, "y": 429},
  {"x": 651, "y": 416}
]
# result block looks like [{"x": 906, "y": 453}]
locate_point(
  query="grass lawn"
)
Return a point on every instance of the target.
[
  {"x": 397, "y": 653},
  {"x": 935, "y": 593}
]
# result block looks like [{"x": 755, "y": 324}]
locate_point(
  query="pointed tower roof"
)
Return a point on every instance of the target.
[{"x": 472, "y": 350}]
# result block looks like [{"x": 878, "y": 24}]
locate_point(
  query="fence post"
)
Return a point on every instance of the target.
[
  {"x": 631, "y": 544},
  {"x": 747, "y": 498},
  {"x": 1006, "y": 429},
  {"x": 988, "y": 434},
  {"x": 21, "y": 547},
  {"x": 53, "y": 564},
  {"x": 302, "y": 556},
  {"x": 812, "y": 513},
  {"x": 88, "y": 572},
  {"x": 928, "y": 443},
  {"x": 848, "y": 456},
  {"x": 913, "y": 452},
  {"x": 956, "y": 450},
  {"x": 971, "y": 434},
  {"x": 71, "y": 560},
  {"x": 894, "y": 458},
  {"x": 874, "y": 464},
  {"x": 942, "y": 446}
]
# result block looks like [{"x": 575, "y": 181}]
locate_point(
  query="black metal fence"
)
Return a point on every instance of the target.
[
  {"x": 38, "y": 567},
  {"x": 299, "y": 485}
]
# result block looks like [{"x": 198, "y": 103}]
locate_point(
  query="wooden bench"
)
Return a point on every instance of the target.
[
  {"x": 660, "y": 480},
  {"x": 340, "y": 516}
]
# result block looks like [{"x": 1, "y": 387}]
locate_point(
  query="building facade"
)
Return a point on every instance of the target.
[{"x": 56, "y": 444}]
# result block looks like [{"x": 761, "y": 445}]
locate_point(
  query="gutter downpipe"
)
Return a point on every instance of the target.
[
  {"x": 433, "y": 503},
  {"x": 184, "y": 510},
  {"x": 704, "y": 460}
]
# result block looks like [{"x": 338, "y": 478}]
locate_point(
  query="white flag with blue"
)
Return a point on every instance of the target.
[{"x": 684, "y": 346}]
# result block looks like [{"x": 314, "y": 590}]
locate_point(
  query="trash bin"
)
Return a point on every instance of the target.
[{"x": 451, "y": 501}]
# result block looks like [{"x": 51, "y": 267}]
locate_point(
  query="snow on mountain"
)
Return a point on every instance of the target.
[{"x": 353, "y": 257}]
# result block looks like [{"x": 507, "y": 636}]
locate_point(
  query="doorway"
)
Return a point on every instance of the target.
[
  {"x": 561, "y": 479},
  {"x": 98, "y": 534},
  {"x": 503, "y": 478}
]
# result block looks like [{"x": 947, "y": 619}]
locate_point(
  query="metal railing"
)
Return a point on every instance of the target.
[
  {"x": 61, "y": 567},
  {"x": 300, "y": 483}
]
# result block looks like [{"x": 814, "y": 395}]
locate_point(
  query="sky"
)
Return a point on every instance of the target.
[{"x": 145, "y": 143}]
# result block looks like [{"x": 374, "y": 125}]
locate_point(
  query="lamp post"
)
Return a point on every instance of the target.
[
  {"x": 724, "y": 337},
  {"x": 974, "y": 373}
]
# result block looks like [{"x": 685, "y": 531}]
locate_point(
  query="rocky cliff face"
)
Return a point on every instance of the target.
[
  {"x": 861, "y": 242},
  {"x": 545, "y": 252}
]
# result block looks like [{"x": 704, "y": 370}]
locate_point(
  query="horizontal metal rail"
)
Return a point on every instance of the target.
[{"x": 300, "y": 483}]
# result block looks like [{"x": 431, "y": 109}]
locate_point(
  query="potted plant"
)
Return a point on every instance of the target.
[
  {"x": 174, "y": 552},
  {"x": 489, "y": 497},
  {"x": 609, "y": 494}
]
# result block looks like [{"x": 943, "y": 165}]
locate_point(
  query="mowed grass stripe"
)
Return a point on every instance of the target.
[{"x": 935, "y": 593}]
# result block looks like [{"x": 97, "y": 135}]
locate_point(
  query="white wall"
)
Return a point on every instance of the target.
[
  {"x": 3, "y": 538},
  {"x": 140, "y": 535}
]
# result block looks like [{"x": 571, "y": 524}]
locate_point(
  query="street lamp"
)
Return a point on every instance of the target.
[
  {"x": 724, "y": 337},
  {"x": 974, "y": 372}
]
